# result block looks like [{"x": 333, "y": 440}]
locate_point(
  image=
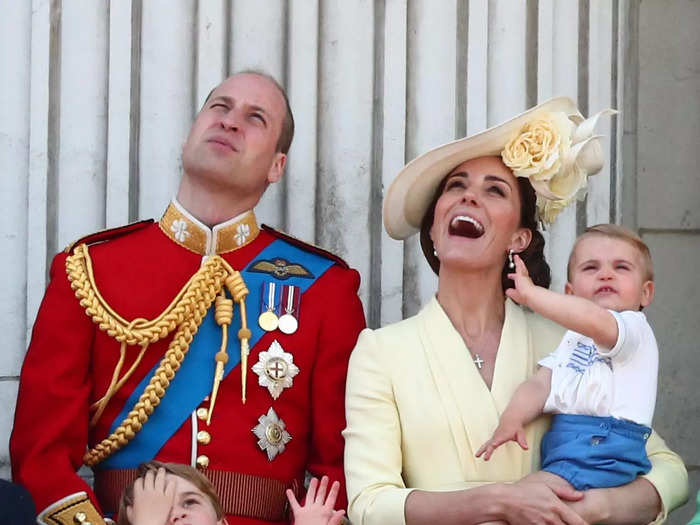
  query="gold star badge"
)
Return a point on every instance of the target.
[{"x": 271, "y": 434}]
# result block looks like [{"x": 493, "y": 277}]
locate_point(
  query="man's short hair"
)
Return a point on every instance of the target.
[
  {"x": 614, "y": 231},
  {"x": 287, "y": 132}
]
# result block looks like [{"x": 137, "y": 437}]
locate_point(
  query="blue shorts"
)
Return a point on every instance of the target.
[{"x": 595, "y": 452}]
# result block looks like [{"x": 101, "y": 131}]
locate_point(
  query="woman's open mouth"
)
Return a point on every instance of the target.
[{"x": 466, "y": 226}]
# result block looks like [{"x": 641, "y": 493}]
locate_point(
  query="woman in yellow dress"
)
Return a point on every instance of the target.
[{"x": 423, "y": 394}]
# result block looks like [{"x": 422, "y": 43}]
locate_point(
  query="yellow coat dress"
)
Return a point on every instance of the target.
[{"x": 417, "y": 410}]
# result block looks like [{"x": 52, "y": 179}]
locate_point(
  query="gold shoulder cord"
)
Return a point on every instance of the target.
[{"x": 184, "y": 313}]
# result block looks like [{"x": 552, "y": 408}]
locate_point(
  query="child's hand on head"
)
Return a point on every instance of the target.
[
  {"x": 154, "y": 495},
  {"x": 317, "y": 509},
  {"x": 523, "y": 283}
]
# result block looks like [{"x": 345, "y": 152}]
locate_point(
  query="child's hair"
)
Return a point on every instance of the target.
[
  {"x": 186, "y": 472},
  {"x": 614, "y": 231}
]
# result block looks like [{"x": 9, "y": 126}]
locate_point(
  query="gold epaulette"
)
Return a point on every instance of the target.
[
  {"x": 76, "y": 509},
  {"x": 108, "y": 234},
  {"x": 306, "y": 246}
]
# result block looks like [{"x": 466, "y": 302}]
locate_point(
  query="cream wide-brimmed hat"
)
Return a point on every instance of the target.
[{"x": 551, "y": 144}]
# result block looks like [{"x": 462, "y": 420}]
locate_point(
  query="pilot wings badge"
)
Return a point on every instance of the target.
[{"x": 281, "y": 269}]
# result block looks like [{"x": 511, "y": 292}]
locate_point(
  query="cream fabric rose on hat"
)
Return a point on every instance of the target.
[
  {"x": 556, "y": 152},
  {"x": 538, "y": 150}
]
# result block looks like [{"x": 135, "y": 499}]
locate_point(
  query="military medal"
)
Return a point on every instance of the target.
[
  {"x": 275, "y": 369},
  {"x": 268, "y": 320},
  {"x": 271, "y": 434},
  {"x": 288, "y": 324},
  {"x": 290, "y": 300}
]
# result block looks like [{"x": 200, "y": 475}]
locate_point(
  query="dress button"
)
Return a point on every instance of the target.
[
  {"x": 203, "y": 461},
  {"x": 202, "y": 413},
  {"x": 203, "y": 437}
]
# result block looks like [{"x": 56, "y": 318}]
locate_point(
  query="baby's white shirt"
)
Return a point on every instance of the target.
[{"x": 620, "y": 382}]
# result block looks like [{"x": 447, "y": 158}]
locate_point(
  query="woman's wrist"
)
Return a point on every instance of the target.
[
  {"x": 480, "y": 504},
  {"x": 595, "y": 506},
  {"x": 495, "y": 500},
  {"x": 602, "y": 505}
]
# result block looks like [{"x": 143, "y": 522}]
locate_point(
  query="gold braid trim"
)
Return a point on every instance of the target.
[
  {"x": 139, "y": 331},
  {"x": 75, "y": 509},
  {"x": 185, "y": 312}
]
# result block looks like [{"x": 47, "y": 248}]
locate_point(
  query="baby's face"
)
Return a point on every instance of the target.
[
  {"x": 191, "y": 505},
  {"x": 611, "y": 273}
]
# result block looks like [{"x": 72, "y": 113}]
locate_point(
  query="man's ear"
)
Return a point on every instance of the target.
[
  {"x": 647, "y": 293},
  {"x": 277, "y": 168},
  {"x": 521, "y": 240},
  {"x": 568, "y": 289}
]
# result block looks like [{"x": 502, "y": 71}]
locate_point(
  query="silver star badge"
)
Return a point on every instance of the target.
[
  {"x": 275, "y": 369},
  {"x": 271, "y": 434}
]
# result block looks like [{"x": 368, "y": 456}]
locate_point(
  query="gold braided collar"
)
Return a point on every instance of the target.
[{"x": 187, "y": 231}]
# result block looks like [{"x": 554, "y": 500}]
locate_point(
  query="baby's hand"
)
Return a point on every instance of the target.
[
  {"x": 154, "y": 495},
  {"x": 506, "y": 431},
  {"x": 522, "y": 281},
  {"x": 315, "y": 510}
]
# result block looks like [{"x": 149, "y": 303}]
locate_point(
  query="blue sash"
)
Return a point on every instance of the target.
[{"x": 193, "y": 381}]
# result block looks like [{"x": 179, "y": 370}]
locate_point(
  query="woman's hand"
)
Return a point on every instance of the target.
[
  {"x": 154, "y": 495},
  {"x": 507, "y": 430},
  {"x": 523, "y": 283},
  {"x": 527, "y": 502},
  {"x": 535, "y": 502},
  {"x": 636, "y": 502},
  {"x": 317, "y": 509}
]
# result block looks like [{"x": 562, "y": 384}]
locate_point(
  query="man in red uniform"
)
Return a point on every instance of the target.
[{"x": 201, "y": 338}]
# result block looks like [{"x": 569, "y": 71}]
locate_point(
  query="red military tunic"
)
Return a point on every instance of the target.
[{"x": 70, "y": 363}]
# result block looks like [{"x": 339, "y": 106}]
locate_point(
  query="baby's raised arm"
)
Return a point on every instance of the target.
[{"x": 574, "y": 313}]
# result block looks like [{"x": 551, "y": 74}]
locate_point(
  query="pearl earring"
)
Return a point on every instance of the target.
[
  {"x": 511, "y": 263},
  {"x": 435, "y": 252}
]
